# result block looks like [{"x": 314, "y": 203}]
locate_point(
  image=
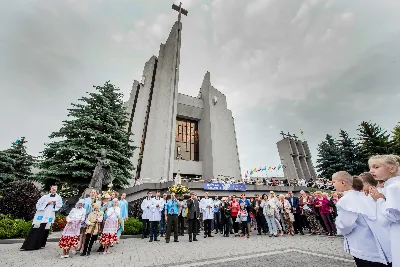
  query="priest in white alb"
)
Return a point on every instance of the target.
[
  {"x": 157, "y": 205},
  {"x": 207, "y": 208},
  {"x": 46, "y": 208}
]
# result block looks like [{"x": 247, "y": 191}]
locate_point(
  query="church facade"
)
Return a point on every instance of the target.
[{"x": 173, "y": 132}]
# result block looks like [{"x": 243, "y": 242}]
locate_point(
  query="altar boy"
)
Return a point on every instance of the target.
[
  {"x": 207, "y": 208},
  {"x": 146, "y": 213},
  {"x": 364, "y": 238},
  {"x": 157, "y": 205}
]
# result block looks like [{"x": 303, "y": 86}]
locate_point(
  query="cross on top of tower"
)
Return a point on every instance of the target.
[
  {"x": 283, "y": 134},
  {"x": 180, "y": 10}
]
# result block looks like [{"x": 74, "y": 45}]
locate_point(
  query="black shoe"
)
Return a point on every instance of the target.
[
  {"x": 176, "y": 240},
  {"x": 101, "y": 249},
  {"x": 195, "y": 239},
  {"x": 156, "y": 240},
  {"x": 205, "y": 236},
  {"x": 210, "y": 236},
  {"x": 216, "y": 233},
  {"x": 151, "y": 240},
  {"x": 302, "y": 233},
  {"x": 166, "y": 241},
  {"x": 83, "y": 254},
  {"x": 190, "y": 240}
]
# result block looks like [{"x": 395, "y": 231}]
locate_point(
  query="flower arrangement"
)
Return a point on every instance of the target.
[
  {"x": 59, "y": 223},
  {"x": 179, "y": 189}
]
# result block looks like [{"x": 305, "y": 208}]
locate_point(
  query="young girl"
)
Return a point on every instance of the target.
[
  {"x": 386, "y": 168},
  {"x": 70, "y": 235},
  {"x": 109, "y": 235},
  {"x": 364, "y": 238},
  {"x": 242, "y": 215}
]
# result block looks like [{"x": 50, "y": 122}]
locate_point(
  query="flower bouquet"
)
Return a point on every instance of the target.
[{"x": 179, "y": 189}]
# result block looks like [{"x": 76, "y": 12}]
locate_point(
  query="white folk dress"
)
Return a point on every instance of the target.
[
  {"x": 109, "y": 235},
  {"x": 71, "y": 232}
]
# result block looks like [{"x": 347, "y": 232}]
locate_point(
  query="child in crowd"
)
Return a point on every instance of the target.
[
  {"x": 364, "y": 238},
  {"x": 242, "y": 215},
  {"x": 386, "y": 168},
  {"x": 93, "y": 228}
]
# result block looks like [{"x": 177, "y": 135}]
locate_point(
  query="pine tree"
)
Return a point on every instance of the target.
[
  {"x": 98, "y": 121},
  {"x": 329, "y": 160},
  {"x": 15, "y": 162},
  {"x": 352, "y": 157},
  {"x": 23, "y": 162},
  {"x": 374, "y": 140},
  {"x": 6, "y": 169},
  {"x": 395, "y": 142}
]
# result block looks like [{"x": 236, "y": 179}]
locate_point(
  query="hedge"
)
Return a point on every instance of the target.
[
  {"x": 132, "y": 227},
  {"x": 13, "y": 228}
]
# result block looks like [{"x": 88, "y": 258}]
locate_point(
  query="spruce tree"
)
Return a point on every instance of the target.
[
  {"x": 6, "y": 169},
  {"x": 15, "y": 163},
  {"x": 352, "y": 157},
  {"x": 329, "y": 160},
  {"x": 23, "y": 162},
  {"x": 395, "y": 142},
  {"x": 374, "y": 140},
  {"x": 98, "y": 121}
]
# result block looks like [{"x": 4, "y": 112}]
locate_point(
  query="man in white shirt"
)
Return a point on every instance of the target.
[
  {"x": 157, "y": 205},
  {"x": 207, "y": 208},
  {"x": 146, "y": 213}
]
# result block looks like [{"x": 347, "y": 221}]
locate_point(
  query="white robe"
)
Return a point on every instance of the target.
[
  {"x": 45, "y": 213},
  {"x": 389, "y": 210},
  {"x": 182, "y": 208},
  {"x": 207, "y": 207},
  {"x": 364, "y": 237},
  {"x": 146, "y": 208},
  {"x": 155, "y": 215}
]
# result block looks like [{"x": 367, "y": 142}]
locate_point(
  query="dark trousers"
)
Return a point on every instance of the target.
[
  {"x": 297, "y": 223},
  {"x": 146, "y": 227},
  {"x": 329, "y": 225},
  {"x": 192, "y": 228},
  {"x": 155, "y": 226},
  {"x": 163, "y": 224},
  {"x": 217, "y": 222},
  {"x": 172, "y": 221},
  {"x": 181, "y": 224},
  {"x": 226, "y": 223},
  {"x": 245, "y": 229},
  {"x": 235, "y": 226},
  {"x": 207, "y": 227},
  {"x": 364, "y": 263},
  {"x": 304, "y": 222},
  {"x": 260, "y": 219},
  {"x": 89, "y": 240}
]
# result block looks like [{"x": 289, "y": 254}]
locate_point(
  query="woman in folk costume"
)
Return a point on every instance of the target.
[
  {"x": 123, "y": 205},
  {"x": 88, "y": 206},
  {"x": 109, "y": 235},
  {"x": 70, "y": 235},
  {"x": 387, "y": 168},
  {"x": 364, "y": 237},
  {"x": 46, "y": 207},
  {"x": 93, "y": 223}
]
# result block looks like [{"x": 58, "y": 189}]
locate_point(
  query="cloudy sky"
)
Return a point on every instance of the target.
[{"x": 315, "y": 65}]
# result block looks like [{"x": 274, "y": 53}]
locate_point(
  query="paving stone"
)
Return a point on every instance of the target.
[{"x": 216, "y": 251}]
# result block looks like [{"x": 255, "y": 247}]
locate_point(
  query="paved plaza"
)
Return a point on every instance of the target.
[{"x": 218, "y": 251}]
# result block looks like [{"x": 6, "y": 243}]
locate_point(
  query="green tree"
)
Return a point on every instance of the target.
[
  {"x": 6, "y": 169},
  {"x": 352, "y": 157},
  {"x": 374, "y": 139},
  {"x": 395, "y": 142},
  {"x": 98, "y": 121},
  {"x": 15, "y": 162},
  {"x": 329, "y": 158}
]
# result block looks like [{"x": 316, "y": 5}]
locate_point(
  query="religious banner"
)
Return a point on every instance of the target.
[{"x": 224, "y": 187}]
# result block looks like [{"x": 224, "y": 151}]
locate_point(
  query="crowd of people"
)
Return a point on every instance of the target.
[
  {"x": 95, "y": 216},
  {"x": 364, "y": 209}
]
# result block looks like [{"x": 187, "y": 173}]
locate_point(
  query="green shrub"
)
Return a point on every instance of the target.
[
  {"x": 13, "y": 228},
  {"x": 132, "y": 227}
]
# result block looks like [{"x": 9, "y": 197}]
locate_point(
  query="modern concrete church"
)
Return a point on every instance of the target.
[{"x": 176, "y": 132}]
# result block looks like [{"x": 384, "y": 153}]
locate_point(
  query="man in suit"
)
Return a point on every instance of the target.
[
  {"x": 294, "y": 202},
  {"x": 193, "y": 214}
]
